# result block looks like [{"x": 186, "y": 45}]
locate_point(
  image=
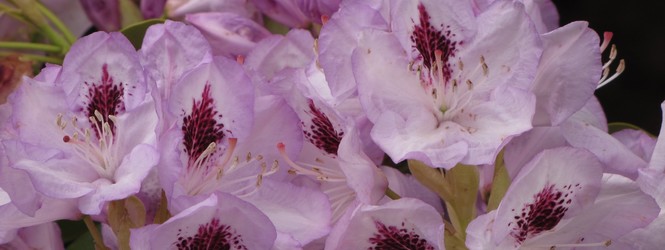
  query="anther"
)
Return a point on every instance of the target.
[
  {"x": 99, "y": 116},
  {"x": 59, "y": 122},
  {"x": 484, "y": 65},
  {"x": 619, "y": 70}
]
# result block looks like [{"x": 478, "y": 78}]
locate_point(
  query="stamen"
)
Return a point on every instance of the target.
[
  {"x": 321, "y": 174},
  {"x": 613, "y": 55},
  {"x": 619, "y": 70},
  {"x": 240, "y": 59},
  {"x": 229, "y": 152},
  {"x": 606, "y": 66},
  {"x": 98, "y": 154}
]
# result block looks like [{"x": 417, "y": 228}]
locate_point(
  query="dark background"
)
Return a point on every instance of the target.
[{"x": 639, "y": 34}]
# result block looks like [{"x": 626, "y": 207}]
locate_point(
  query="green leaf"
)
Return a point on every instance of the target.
[
  {"x": 71, "y": 230},
  {"x": 464, "y": 181},
  {"x": 162, "y": 213},
  {"x": 453, "y": 241},
  {"x": 500, "y": 183},
  {"x": 432, "y": 178},
  {"x": 275, "y": 27},
  {"x": 83, "y": 242},
  {"x": 123, "y": 215},
  {"x": 136, "y": 31}
]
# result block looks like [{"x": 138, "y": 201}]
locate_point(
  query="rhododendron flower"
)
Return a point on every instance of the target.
[
  {"x": 97, "y": 119},
  {"x": 546, "y": 206},
  {"x": 104, "y": 14},
  {"x": 42, "y": 236},
  {"x": 224, "y": 140},
  {"x": 563, "y": 86},
  {"x": 152, "y": 8},
  {"x": 315, "y": 10},
  {"x": 448, "y": 88},
  {"x": 179, "y": 8},
  {"x": 283, "y": 11},
  {"x": 406, "y": 223},
  {"x": 212, "y": 108},
  {"x": 652, "y": 180},
  {"x": 543, "y": 13},
  {"x": 221, "y": 220},
  {"x": 229, "y": 34},
  {"x": 621, "y": 153}
]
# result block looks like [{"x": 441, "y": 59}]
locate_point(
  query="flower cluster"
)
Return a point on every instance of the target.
[{"x": 366, "y": 124}]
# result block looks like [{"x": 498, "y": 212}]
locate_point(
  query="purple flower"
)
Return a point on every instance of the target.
[
  {"x": 405, "y": 223},
  {"x": 104, "y": 14},
  {"x": 447, "y": 88},
  {"x": 98, "y": 118},
  {"x": 622, "y": 153},
  {"x": 315, "y": 10},
  {"x": 42, "y": 236},
  {"x": 210, "y": 109},
  {"x": 221, "y": 220},
  {"x": 230, "y": 34},
  {"x": 548, "y": 206},
  {"x": 169, "y": 51},
  {"x": 568, "y": 73},
  {"x": 543, "y": 13},
  {"x": 152, "y": 8},
  {"x": 179, "y": 8},
  {"x": 283, "y": 11}
]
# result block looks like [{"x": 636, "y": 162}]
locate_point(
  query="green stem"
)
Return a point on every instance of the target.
[
  {"x": 96, "y": 236},
  {"x": 36, "y": 18},
  {"x": 56, "y": 38},
  {"x": 31, "y": 57},
  {"x": 69, "y": 37},
  {"x": 30, "y": 46},
  {"x": 392, "y": 195},
  {"x": 13, "y": 12}
]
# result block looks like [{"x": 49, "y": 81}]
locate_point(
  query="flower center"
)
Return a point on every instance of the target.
[
  {"x": 212, "y": 235},
  {"x": 200, "y": 128},
  {"x": 392, "y": 237},
  {"x": 548, "y": 208},
  {"x": 332, "y": 179},
  {"x": 104, "y": 97},
  {"x": 428, "y": 39},
  {"x": 104, "y": 100},
  {"x": 208, "y": 164},
  {"x": 321, "y": 132}
]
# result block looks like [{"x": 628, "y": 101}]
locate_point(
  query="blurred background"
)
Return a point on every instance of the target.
[{"x": 639, "y": 34}]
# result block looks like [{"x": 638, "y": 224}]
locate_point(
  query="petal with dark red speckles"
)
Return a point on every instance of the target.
[{"x": 222, "y": 220}]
